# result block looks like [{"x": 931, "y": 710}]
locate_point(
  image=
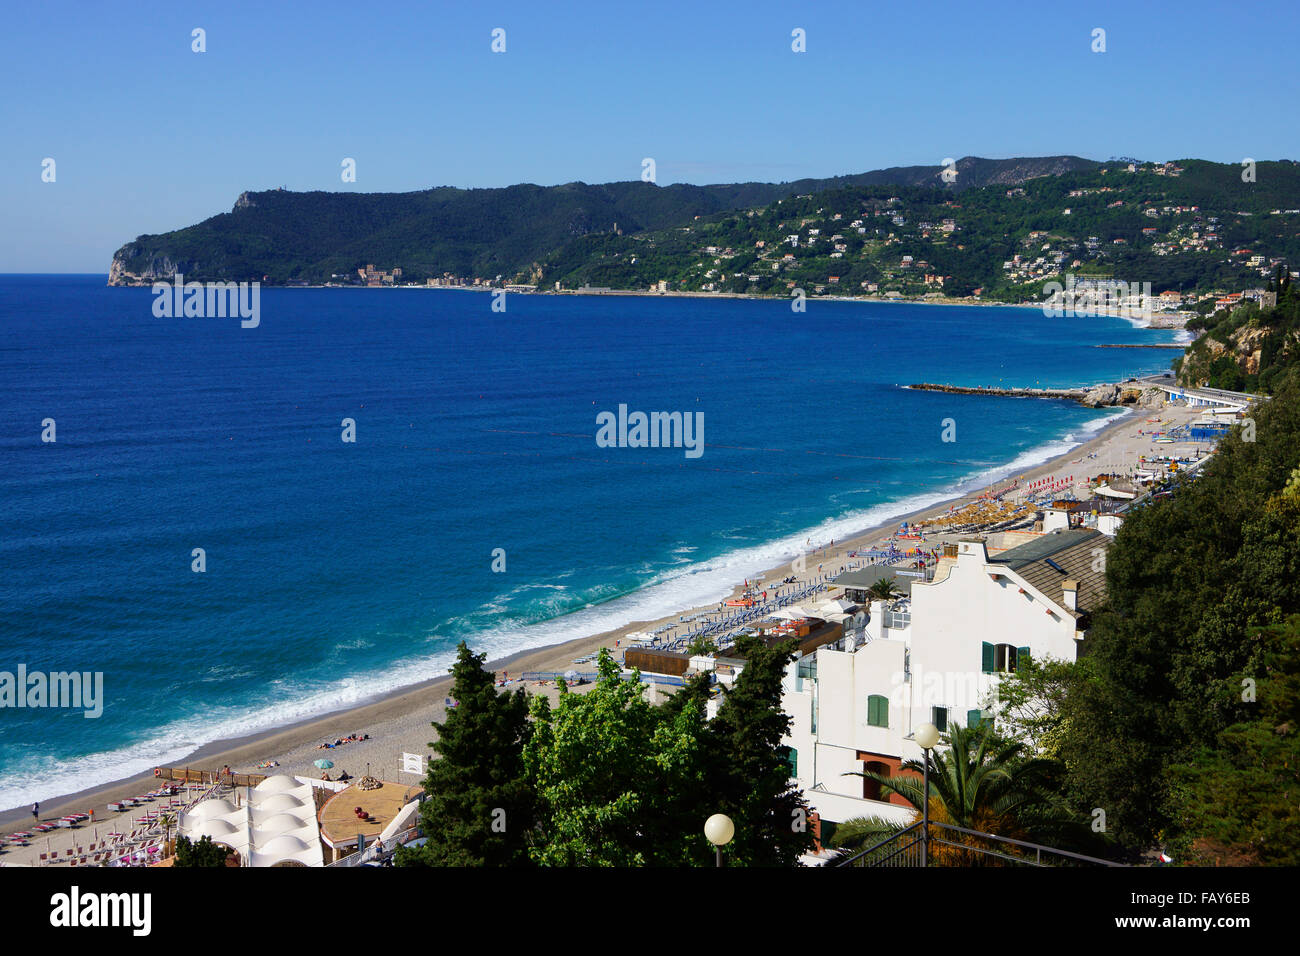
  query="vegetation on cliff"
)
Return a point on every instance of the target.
[{"x": 1245, "y": 347}]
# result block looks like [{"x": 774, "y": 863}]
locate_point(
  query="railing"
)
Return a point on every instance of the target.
[
  {"x": 902, "y": 849},
  {"x": 556, "y": 675},
  {"x": 592, "y": 676},
  {"x": 187, "y": 776},
  {"x": 907, "y": 848}
]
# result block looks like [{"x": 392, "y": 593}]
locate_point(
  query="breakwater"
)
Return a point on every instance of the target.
[{"x": 1074, "y": 394}]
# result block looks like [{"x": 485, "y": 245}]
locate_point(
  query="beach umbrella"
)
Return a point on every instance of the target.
[{"x": 324, "y": 764}]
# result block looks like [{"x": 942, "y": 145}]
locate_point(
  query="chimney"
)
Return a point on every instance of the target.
[{"x": 1071, "y": 589}]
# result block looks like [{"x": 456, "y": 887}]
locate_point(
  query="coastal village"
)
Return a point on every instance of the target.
[{"x": 896, "y": 629}]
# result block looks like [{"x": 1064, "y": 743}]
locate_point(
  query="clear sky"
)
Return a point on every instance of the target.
[{"x": 149, "y": 136}]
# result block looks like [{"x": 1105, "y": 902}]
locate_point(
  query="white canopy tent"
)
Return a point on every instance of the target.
[
  {"x": 839, "y": 606},
  {"x": 793, "y": 613},
  {"x": 275, "y": 825}
]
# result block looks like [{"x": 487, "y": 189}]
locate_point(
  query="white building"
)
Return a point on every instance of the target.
[{"x": 934, "y": 657}]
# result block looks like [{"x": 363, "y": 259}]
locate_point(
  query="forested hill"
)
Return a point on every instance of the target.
[
  {"x": 483, "y": 233},
  {"x": 1186, "y": 227}
]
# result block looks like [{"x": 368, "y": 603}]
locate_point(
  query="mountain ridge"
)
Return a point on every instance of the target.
[{"x": 282, "y": 236}]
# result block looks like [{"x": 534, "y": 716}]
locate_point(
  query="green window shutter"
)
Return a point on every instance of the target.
[
  {"x": 878, "y": 711},
  {"x": 1022, "y": 656},
  {"x": 988, "y": 665},
  {"x": 974, "y": 718},
  {"x": 940, "y": 715}
]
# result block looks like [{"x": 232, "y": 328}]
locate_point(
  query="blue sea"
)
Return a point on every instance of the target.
[{"x": 337, "y": 571}]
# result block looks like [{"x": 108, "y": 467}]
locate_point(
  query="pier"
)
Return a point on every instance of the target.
[
  {"x": 1073, "y": 394},
  {"x": 1157, "y": 345}
]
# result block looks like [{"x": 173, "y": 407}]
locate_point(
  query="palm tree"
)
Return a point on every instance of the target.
[
  {"x": 884, "y": 590},
  {"x": 982, "y": 782}
]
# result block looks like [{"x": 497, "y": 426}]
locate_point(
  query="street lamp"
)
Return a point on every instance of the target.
[
  {"x": 926, "y": 736},
  {"x": 719, "y": 829}
]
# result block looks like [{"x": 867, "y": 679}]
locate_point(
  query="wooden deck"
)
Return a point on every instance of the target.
[{"x": 339, "y": 825}]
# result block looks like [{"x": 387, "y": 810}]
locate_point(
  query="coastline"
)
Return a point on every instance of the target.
[
  {"x": 398, "y": 721},
  {"x": 1170, "y": 320}
]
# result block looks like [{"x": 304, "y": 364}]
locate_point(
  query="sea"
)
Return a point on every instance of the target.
[{"x": 200, "y": 532}]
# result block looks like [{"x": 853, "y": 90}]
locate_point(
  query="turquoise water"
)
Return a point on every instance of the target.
[{"x": 336, "y": 571}]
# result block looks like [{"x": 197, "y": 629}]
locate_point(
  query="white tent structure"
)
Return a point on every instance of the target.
[
  {"x": 839, "y": 606},
  {"x": 793, "y": 613},
  {"x": 275, "y": 826}
]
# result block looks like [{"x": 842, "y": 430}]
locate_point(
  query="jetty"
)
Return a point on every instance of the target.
[
  {"x": 1072, "y": 394},
  {"x": 1156, "y": 345}
]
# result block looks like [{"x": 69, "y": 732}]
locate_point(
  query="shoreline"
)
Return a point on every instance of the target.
[
  {"x": 1176, "y": 320},
  {"x": 406, "y": 710}
]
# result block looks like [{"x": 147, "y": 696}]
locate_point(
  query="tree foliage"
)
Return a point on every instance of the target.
[
  {"x": 1238, "y": 801},
  {"x": 749, "y": 776},
  {"x": 200, "y": 853},
  {"x": 1193, "y": 581},
  {"x": 617, "y": 780},
  {"x": 478, "y": 806}
]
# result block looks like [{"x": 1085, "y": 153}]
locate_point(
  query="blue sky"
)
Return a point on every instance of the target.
[{"x": 149, "y": 136}]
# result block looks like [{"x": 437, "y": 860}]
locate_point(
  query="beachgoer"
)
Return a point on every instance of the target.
[{"x": 36, "y": 811}]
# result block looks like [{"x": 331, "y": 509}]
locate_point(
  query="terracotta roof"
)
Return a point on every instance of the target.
[{"x": 1073, "y": 555}]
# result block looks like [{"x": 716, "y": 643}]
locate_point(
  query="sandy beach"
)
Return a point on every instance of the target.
[{"x": 399, "y": 722}]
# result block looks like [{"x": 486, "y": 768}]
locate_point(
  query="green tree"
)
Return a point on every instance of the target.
[
  {"x": 478, "y": 806},
  {"x": 1028, "y": 703},
  {"x": 616, "y": 778},
  {"x": 1238, "y": 802},
  {"x": 750, "y": 775},
  {"x": 203, "y": 853},
  {"x": 1191, "y": 580},
  {"x": 702, "y": 645}
]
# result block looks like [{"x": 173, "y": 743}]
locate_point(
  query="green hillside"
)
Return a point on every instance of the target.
[
  {"x": 1193, "y": 226},
  {"x": 476, "y": 233},
  {"x": 1000, "y": 229}
]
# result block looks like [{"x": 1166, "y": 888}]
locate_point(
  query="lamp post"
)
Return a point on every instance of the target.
[
  {"x": 719, "y": 829},
  {"x": 927, "y": 735}
]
